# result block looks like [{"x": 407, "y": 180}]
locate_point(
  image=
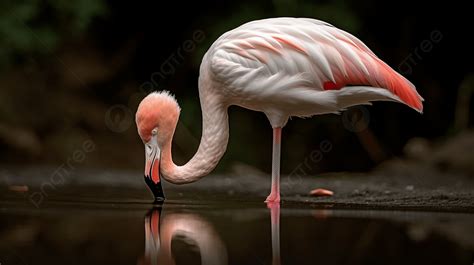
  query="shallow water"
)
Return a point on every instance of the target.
[
  {"x": 226, "y": 232},
  {"x": 97, "y": 217}
]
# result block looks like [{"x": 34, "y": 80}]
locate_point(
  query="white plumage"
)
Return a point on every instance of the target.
[{"x": 279, "y": 66}]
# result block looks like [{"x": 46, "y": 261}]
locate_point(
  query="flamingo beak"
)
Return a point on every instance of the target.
[{"x": 152, "y": 169}]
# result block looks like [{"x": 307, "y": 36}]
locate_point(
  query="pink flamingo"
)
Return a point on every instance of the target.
[{"x": 280, "y": 66}]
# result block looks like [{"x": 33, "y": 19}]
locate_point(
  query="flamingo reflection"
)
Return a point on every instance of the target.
[{"x": 161, "y": 229}]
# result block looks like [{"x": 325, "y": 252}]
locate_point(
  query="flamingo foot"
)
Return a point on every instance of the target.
[{"x": 273, "y": 197}]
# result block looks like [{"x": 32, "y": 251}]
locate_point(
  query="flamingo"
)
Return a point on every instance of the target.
[{"x": 282, "y": 67}]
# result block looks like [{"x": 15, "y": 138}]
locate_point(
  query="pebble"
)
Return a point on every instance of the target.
[
  {"x": 321, "y": 192},
  {"x": 18, "y": 188}
]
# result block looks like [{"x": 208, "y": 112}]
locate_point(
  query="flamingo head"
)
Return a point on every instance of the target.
[{"x": 156, "y": 119}]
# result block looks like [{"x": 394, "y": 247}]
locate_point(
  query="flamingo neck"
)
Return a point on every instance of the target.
[{"x": 215, "y": 135}]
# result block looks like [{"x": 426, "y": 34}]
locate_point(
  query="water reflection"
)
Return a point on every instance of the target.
[
  {"x": 163, "y": 229},
  {"x": 227, "y": 233},
  {"x": 183, "y": 235},
  {"x": 275, "y": 223}
]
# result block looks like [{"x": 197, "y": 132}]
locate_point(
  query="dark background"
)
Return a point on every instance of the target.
[{"x": 72, "y": 71}]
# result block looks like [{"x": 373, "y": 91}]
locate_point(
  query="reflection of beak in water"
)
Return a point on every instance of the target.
[
  {"x": 161, "y": 230},
  {"x": 275, "y": 219},
  {"x": 152, "y": 236}
]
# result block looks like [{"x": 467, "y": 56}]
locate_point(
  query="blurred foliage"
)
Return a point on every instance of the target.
[{"x": 36, "y": 27}]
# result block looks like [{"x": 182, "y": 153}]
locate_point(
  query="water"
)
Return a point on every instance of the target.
[
  {"x": 106, "y": 217},
  {"x": 227, "y": 232}
]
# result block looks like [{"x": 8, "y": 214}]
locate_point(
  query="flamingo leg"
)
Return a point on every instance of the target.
[{"x": 275, "y": 190}]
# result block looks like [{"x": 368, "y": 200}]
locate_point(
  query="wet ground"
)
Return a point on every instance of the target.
[{"x": 375, "y": 219}]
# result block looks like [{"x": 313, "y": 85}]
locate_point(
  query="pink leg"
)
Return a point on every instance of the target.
[{"x": 275, "y": 192}]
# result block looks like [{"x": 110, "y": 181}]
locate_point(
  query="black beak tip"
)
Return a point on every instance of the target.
[
  {"x": 156, "y": 189},
  {"x": 159, "y": 200}
]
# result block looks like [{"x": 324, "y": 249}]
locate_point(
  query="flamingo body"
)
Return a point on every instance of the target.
[
  {"x": 280, "y": 66},
  {"x": 300, "y": 67}
]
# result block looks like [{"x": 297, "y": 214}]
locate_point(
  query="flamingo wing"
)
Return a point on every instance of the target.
[{"x": 296, "y": 57}]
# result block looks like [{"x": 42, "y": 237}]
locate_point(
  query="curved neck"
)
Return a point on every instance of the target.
[{"x": 215, "y": 135}]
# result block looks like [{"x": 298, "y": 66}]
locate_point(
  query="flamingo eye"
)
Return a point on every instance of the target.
[{"x": 154, "y": 131}]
